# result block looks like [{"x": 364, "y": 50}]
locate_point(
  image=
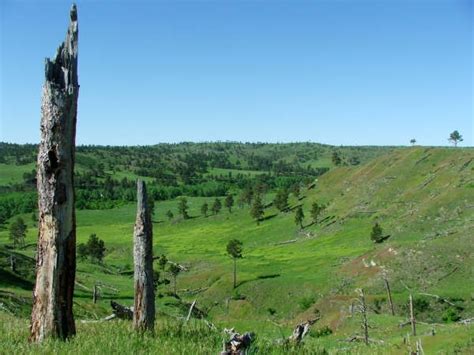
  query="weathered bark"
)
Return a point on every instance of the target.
[
  {"x": 301, "y": 330},
  {"x": 237, "y": 344},
  {"x": 56, "y": 251},
  {"x": 144, "y": 310},
  {"x": 363, "y": 312},
  {"x": 412, "y": 316}
]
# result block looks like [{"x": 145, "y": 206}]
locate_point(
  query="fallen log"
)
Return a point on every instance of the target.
[
  {"x": 122, "y": 312},
  {"x": 438, "y": 297},
  {"x": 357, "y": 338},
  {"x": 190, "y": 310}
]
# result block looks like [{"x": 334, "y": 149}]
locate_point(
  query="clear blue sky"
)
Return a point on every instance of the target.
[{"x": 338, "y": 72}]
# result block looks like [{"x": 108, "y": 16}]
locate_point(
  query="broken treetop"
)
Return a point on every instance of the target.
[{"x": 62, "y": 70}]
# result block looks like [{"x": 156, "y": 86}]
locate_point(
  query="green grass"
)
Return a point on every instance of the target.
[
  {"x": 11, "y": 174},
  {"x": 420, "y": 196}
]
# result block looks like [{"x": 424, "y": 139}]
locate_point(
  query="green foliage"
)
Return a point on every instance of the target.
[
  {"x": 296, "y": 190},
  {"x": 455, "y": 137},
  {"x": 376, "y": 233},
  {"x": 94, "y": 249},
  {"x": 281, "y": 200},
  {"x": 162, "y": 261},
  {"x": 234, "y": 248},
  {"x": 204, "y": 209},
  {"x": 336, "y": 158},
  {"x": 306, "y": 302},
  {"x": 271, "y": 311},
  {"x": 451, "y": 315},
  {"x": 216, "y": 206},
  {"x": 321, "y": 332},
  {"x": 170, "y": 215},
  {"x": 310, "y": 266},
  {"x": 229, "y": 202},
  {"x": 316, "y": 210},
  {"x": 299, "y": 216},
  {"x": 246, "y": 196},
  {"x": 183, "y": 207},
  {"x": 257, "y": 209},
  {"x": 18, "y": 231},
  {"x": 174, "y": 270}
]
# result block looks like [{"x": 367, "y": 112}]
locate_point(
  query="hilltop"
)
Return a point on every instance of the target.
[{"x": 423, "y": 198}]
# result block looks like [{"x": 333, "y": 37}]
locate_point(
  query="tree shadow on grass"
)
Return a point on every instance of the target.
[
  {"x": 260, "y": 277},
  {"x": 294, "y": 207},
  {"x": 10, "y": 279},
  {"x": 266, "y": 218}
]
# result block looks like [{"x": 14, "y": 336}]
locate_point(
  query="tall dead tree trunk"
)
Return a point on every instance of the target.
[
  {"x": 235, "y": 272},
  {"x": 389, "y": 294},
  {"x": 56, "y": 251},
  {"x": 412, "y": 316},
  {"x": 363, "y": 312},
  {"x": 144, "y": 309}
]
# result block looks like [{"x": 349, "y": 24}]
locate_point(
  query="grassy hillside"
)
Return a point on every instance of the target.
[{"x": 422, "y": 197}]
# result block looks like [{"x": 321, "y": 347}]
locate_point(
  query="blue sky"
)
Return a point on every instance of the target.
[{"x": 337, "y": 72}]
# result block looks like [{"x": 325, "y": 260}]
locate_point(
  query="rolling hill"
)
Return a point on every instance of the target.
[{"x": 423, "y": 198}]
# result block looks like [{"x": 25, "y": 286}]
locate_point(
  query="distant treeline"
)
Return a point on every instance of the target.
[{"x": 105, "y": 176}]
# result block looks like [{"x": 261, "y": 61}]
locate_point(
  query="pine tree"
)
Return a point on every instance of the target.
[
  {"x": 204, "y": 209},
  {"x": 183, "y": 208},
  {"x": 18, "y": 231},
  {"x": 376, "y": 234},
  {"x": 281, "y": 200},
  {"x": 455, "y": 137},
  {"x": 257, "y": 209},
  {"x": 316, "y": 210},
  {"x": 174, "y": 270},
  {"x": 216, "y": 206},
  {"x": 299, "y": 216},
  {"x": 234, "y": 249},
  {"x": 229, "y": 202}
]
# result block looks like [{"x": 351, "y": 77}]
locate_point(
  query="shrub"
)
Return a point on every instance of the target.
[
  {"x": 321, "y": 332},
  {"x": 451, "y": 315},
  {"x": 306, "y": 302}
]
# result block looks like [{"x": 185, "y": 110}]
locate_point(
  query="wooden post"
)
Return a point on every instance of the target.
[
  {"x": 389, "y": 294},
  {"x": 144, "y": 309},
  {"x": 52, "y": 314},
  {"x": 412, "y": 317}
]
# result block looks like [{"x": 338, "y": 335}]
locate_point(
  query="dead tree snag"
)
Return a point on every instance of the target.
[
  {"x": 144, "y": 309},
  {"x": 56, "y": 251}
]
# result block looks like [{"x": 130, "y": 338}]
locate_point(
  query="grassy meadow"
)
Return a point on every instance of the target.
[{"x": 422, "y": 197}]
